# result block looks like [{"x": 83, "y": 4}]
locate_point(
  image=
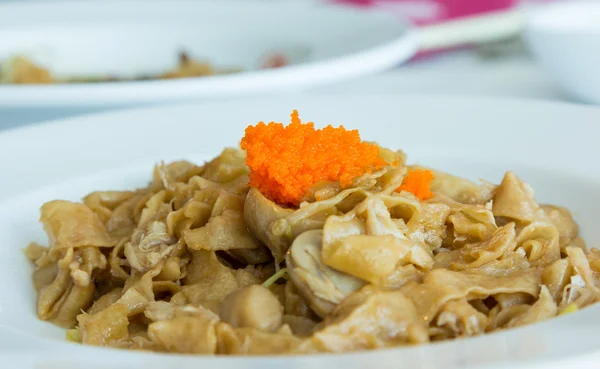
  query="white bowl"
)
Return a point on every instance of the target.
[
  {"x": 551, "y": 146},
  {"x": 565, "y": 38},
  {"x": 325, "y": 43}
]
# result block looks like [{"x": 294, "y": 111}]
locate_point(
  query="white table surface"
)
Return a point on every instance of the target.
[{"x": 460, "y": 73}]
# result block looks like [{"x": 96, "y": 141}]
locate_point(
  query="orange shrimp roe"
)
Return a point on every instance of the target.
[
  {"x": 418, "y": 182},
  {"x": 286, "y": 161}
]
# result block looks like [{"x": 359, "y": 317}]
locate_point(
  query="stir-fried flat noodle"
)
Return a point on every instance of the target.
[
  {"x": 184, "y": 265},
  {"x": 22, "y": 70}
]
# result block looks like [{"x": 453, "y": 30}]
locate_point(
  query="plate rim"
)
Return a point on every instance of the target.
[{"x": 376, "y": 57}]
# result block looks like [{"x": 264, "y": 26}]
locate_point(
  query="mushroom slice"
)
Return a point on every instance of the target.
[
  {"x": 321, "y": 286},
  {"x": 277, "y": 227},
  {"x": 260, "y": 212}
]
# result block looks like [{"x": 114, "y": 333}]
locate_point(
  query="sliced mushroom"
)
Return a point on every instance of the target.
[
  {"x": 252, "y": 307},
  {"x": 277, "y": 227},
  {"x": 321, "y": 286},
  {"x": 274, "y": 225},
  {"x": 260, "y": 212}
]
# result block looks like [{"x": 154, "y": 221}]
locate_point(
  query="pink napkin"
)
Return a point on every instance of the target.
[
  {"x": 424, "y": 12},
  {"x": 432, "y": 11}
]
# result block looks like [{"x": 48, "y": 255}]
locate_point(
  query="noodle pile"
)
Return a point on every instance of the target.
[
  {"x": 22, "y": 70},
  {"x": 201, "y": 262}
]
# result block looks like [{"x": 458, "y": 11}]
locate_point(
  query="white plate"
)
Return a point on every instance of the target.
[
  {"x": 551, "y": 146},
  {"x": 325, "y": 43}
]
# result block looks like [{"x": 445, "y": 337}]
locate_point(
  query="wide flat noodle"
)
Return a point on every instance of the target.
[
  {"x": 393, "y": 320},
  {"x": 368, "y": 244},
  {"x": 459, "y": 318},
  {"x": 441, "y": 286},
  {"x": 458, "y": 189},
  {"x": 70, "y": 224},
  {"x": 515, "y": 200}
]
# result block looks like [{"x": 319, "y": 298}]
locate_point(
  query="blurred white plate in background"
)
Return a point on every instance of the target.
[
  {"x": 565, "y": 39},
  {"x": 323, "y": 43}
]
